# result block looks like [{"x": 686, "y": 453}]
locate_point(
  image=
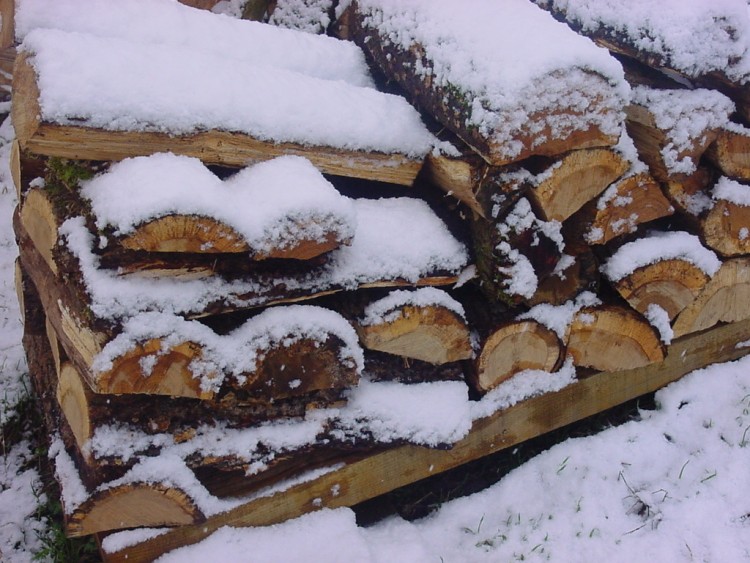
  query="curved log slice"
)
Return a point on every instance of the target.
[
  {"x": 726, "y": 298},
  {"x": 730, "y": 152},
  {"x": 726, "y": 228},
  {"x": 132, "y": 505},
  {"x": 512, "y": 348},
  {"x": 612, "y": 338},
  {"x": 623, "y": 206},
  {"x": 672, "y": 284}
]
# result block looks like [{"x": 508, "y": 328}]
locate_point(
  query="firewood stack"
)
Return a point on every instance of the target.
[
  {"x": 163, "y": 292},
  {"x": 168, "y": 229},
  {"x": 599, "y": 235}
]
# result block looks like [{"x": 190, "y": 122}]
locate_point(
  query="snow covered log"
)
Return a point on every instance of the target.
[
  {"x": 342, "y": 129},
  {"x": 512, "y": 348},
  {"x": 690, "y": 194},
  {"x": 730, "y": 152},
  {"x": 426, "y": 324},
  {"x": 506, "y": 78},
  {"x": 612, "y": 338},
  {"x": 724, "y": 299},
  {"x": 282, "y": 208},
  {"x": 705, "y": 43},
  {"x": 673, "y": 128},
  {"x": 627, "y": 203},
  {"x": 726, "y": 226}
]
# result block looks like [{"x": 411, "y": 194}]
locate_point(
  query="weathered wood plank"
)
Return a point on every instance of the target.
[{"x": 362, "y": 478}]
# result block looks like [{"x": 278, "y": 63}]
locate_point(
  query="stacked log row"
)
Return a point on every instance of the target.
[{"x": 162, "y": 297}]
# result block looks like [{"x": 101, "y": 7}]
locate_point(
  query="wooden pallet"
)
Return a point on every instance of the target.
[{"x": 358, "y": 478}]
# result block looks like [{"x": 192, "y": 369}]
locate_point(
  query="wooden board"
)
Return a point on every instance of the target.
[
  {"x": 213, "y": 146},
  {"x": 362, "y": 478}
]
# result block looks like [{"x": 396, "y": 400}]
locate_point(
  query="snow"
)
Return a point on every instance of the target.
[
  {"x": 731, "y": 191},
  {"x": 558, "y": 318},
  {"x": 670, "y": 485},
  {"x": 656, "y": 247},
  {"x": 538, "y": 65},
  {"x": 678, "y": 31},
  {"x": 310, "y": 16},
  {"x": 165, "y": 22},
  {"x": 388, "y": 309},
  {"x": 376, "y": 253},
  {"x": 685, "y": 116},
  {"x": 137, "y": 87},
  {"x": 235, "y": 354},
  {"x": 659, "y": 319}
]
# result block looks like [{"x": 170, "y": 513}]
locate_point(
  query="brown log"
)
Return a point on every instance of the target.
[
  {"x": 650, "y": 140},
  {"x": 628, "y": 203},
  {"x": 8, "y": 27},
  {"x": 559, "y": 287},
  {"x": 689, "y": 193},
  {"x": 432, "y": 334},
  {"x": 213, "y": 147},
  {"x": 14, "y": 163},
  {"x": 200, "y": 4},
  {"x": 612, "y": 338},
  {"x": 726, "y": 228},
  {"x": 74, "y": 397},
  {"x": 132, "y": 505},
  {"x": 448, "y": 104},
  {"x": 730, "y": 152},
  {"x": 724, "y": 299},
  {"x": 672, "y": 284},
  {"x": 514, "y": 347},
  {"x": 382, "y": 366},
  {"x": 578, "y": 177}
]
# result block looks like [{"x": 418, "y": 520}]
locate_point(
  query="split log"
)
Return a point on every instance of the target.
[
  {"x": 662, "y": 125},
  {"x": 724, "y": 299},
  {"x": 689, "y": 193},
  {"x": 512, "y": 131},
  {"x": 514, "y": 347},
  {"x": 7, "y": 23},
  {"x": 565, "y": 283},
  {"x": 612, "y": 338},
  {"x": 214, "y": 146},
  {"x": 626, "y": 204},
  {"x": 430, "y": 333},
  {"x": 132, "y": 505},
  {"x": 577, "y": 178},
  {"x": 726, "y": 228},
  {"x": 672, "y": 284},
  {"x": 730, "y": 152}
]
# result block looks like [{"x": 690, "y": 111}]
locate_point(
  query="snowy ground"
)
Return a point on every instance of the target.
[{"x": 670, "y": 487}]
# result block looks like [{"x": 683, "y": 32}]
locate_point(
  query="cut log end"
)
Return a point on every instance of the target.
[
  {"x": 671, "y": 284},
  {"x": 40, "y": 221},
  {"x": 611, "y": 338},
  {"x": 515, "y": 347},
  {"x": 132, "y": 505},
  {"x": 73, "y": 397},
  {"x": 726, "y": 228},
  {"x": 432, "y": 334},
  {"x": 731, "y": 154}
]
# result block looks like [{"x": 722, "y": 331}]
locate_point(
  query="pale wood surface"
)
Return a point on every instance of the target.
[
  {"x": 612, "y": 338},
  {"x": 671, "y": 284},
  {"x": 726, "y": 228},
  {"x": 430, "y": 333},
  {"x": 364, "y": 478},
  {"x": 731, "y": 153},
  {"x": 213, "y": 147},
  {"x": 8, "y": 29},
  {"x": 725, "y": 298},
  {"x": 515, "y": 347}
]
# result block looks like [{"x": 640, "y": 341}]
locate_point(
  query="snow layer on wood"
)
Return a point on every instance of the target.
[
  {"x": 732, "y": 191},
  {"x": 695, "y": 37},
  {"x": 274, "y": 204},
  {"x": 657, "y": 247},
  {"x": 509, "y": 60},
  {"x": 557, "y": 318},
  {"x": 378, "y": 252},
  {"x": 388, "y": 308},
  {"x": 685, "y": 116},
  {"x": 431, "y": 414},
  {"x": 310, "y": 16},
  {"x": 165, "y": 22},
  {"x": 120, "y": 85},
  {"x": 325, "y": 535},
  {"x": 238, "y": 352},
  {"x": 659, "y": 319},
  {"x": 524, "y": 385},
  {"x": 72, "y": 490},
  {"x": 126, "y": 538}
]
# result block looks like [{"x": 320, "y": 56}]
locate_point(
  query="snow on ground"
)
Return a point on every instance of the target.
[{"x": 671, "y": 487}]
